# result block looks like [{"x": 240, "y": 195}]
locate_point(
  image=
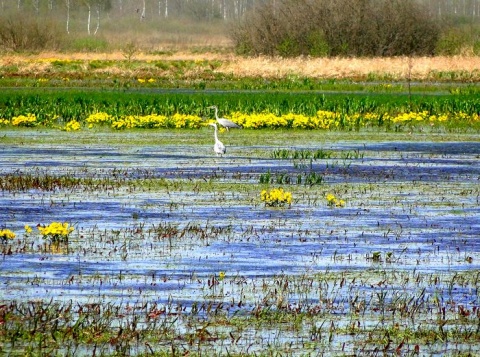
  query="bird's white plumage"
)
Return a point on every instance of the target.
[
  {"x": 226, "y": 123},
  {"x": 219, "y": 148}
]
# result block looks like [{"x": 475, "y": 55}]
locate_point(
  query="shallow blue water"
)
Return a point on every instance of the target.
[{"x": 417, "y": 201}]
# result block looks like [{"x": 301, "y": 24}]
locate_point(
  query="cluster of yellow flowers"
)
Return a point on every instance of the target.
[
  {"x": 99, "y": 118},
  {"x": 51, "y": 59},
  {"x": 56, "y": 231},
  {"x": 6, "y": 234},
  {"x": 276, "y": 197},
  {"x": 147, "y": 121},
  {"x": 409, "y": 117},
  {"x": 177, "y": 121},
  {"x": 72, "y": 125},
  {"x": 333, "y": 120},
  {"x": 150, "y": 80},
  {"x": 24, "y": 120},
  {"x": 323, "y": 119},
  {"x": 187, "y": 121},
  {"x": 333, "y": 201}
]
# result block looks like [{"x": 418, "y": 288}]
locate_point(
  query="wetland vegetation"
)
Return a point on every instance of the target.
[
  {"x": 343, "y": 219},
  {"x": 174, "y": 252}
]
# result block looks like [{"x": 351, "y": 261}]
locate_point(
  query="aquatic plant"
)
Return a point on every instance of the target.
[
  {"x": 99, "y": 118},
  {"x": 72, "y": 125},
  {"x": 24, "y": 120},
  {"x": 6, "y": 235},
  {"x": 56, "y": 231},
  {"x": 305, "y": 111},
  {"x": 276, "y": 197},
  {"x": 333, "y": 201},
  {"x": 145, "y": 122}
]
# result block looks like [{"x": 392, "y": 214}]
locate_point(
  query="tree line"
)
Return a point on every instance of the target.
[
  {"x": 270, "y": 27},
  {"x": 366, "y": 28},
  {"x": 198, "y": 9}
]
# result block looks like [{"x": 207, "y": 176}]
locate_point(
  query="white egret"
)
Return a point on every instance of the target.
[
  {"x": 219, "y": 148},
  {"x": 226, "y": 123}
]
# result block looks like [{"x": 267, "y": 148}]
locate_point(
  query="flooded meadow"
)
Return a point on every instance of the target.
[{"x": 174, "y": 253}]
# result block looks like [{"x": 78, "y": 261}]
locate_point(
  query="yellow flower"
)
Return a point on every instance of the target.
[
  {"x": 56, "y": 231},
  {"x": 276, "y": 197},
  {"x": 221, "y": 275},
  {"x": 24, "y": 120},
  {"x": 28, "y": 229},
  {"x": 333, "y": 201},
  {"x": 331, "y": 198},
  {"x": 99, "y": 118},
  {"x": 72, "y": 125},
  {"x": 6, "y": 234}
]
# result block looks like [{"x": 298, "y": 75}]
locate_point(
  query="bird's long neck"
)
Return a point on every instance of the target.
[
  {"x": 215, "y": 133},
  {"x": 216, "y": 113}
]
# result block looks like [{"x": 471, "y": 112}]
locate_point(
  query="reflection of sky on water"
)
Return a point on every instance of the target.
[{"x": 421, "y": 233}]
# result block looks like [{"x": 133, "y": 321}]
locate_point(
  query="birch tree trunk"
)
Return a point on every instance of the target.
[
  {"x": 89, "y": 17},
  {"x": 67, "y": 3},
  {"x": 142, "y": 16},
  {"x": 98, "y": 20}
]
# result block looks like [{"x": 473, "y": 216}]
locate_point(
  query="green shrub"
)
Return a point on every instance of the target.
[
  {"x": 288, "y": 47},
  {"x": 317, "y": 44},
  {"x": 450, "y": 43}
]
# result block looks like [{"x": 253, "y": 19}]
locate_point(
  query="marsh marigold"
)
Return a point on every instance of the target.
[
  {"x": 276, "y": 197},
  {"x": 333, "y": 201},
  {"x": 6, "y": 235},
  {"x": 56, "y": 231}
]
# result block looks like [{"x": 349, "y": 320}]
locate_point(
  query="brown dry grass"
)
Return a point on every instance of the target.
[
  {"x": 395, "y": 68},
  {"x": 340, "y": 68}
]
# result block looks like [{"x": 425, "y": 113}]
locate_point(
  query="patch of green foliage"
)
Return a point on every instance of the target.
[{"x": 78, "y": 104}]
